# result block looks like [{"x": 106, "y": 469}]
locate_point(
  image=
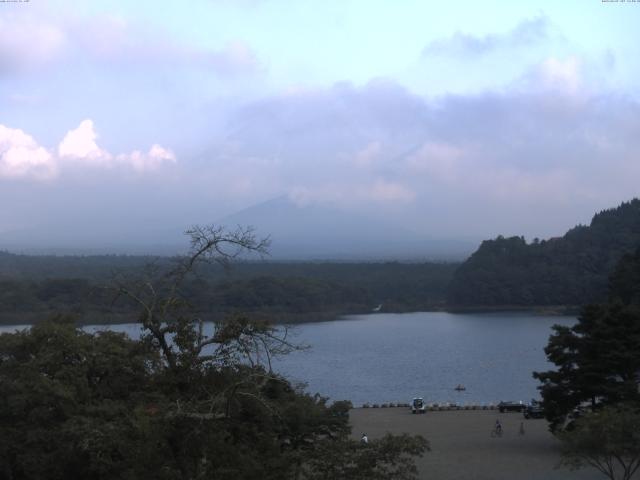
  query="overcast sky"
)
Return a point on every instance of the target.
[{"x": 460, "y": 118}]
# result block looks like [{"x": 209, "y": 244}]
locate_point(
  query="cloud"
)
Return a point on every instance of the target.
[
  {"x": 563, "y": 74},
  {"x": 570, "y": 77},
  {"x": 26, "y": 44},
  {"x": 152, "y": 160},
  {"x": 438, "y": 160},
  {"x": 80, "y": 144},
  {"x": 114, "y": 41},
  {"x": 523, "y": 160},
  {"x": 365, "y": 157},
  {"x": 526, "y": 33},
  {"x": 556, "y": 143},
  {"x": 21, "y": 156}
]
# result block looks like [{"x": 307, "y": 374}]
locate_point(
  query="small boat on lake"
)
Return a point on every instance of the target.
[{"x": 460, "y": 388}]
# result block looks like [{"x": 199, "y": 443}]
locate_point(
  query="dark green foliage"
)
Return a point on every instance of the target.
[
  {"x": 75, "y": 405},
  {"x": 31, "y": 288},
  {"x": 69, "y": 401},
  {"x": 625, "y": 280},
  {"x": 598, "y": 359},
  {"x": 180, "y": 403},
  {"x": 391, "y": 458},
  {"x": 273, "y": 294},
  {"x": 607, "y": 439},
  {"x": 571, "y": 270}
]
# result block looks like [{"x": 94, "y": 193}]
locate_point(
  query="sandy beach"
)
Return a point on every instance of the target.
[{"x": 463, "y": 449}]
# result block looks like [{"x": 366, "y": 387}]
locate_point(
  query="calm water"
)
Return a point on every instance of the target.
[{"x": 393, "y": 357}]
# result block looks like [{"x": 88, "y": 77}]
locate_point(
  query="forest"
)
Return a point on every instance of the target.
[
  {"x": 33, "y": 287},
  {"x": 569, "y": 270},
  {"x": 566, "y": 271}
]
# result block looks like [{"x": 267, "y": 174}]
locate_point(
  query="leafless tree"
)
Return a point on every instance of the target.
[{"x": 170, "y": 323}]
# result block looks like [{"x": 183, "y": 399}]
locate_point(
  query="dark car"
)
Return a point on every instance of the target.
[
  {"x": 533, "y": 410},
  {"x": 511, "y": 407}
]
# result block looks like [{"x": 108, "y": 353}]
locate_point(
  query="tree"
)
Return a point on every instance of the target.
[
  {"x": 71, "y": 403},
  {"x": 598, "y": 359},
  {"x": 166, "y": 316},
  {"x": 569, "y": 270},
  {"x": 181, "y": 403},
  {"x": 607, "y": 439},
  {"x": 390, "y": 457},
  {"x": 625, "y": 280}
]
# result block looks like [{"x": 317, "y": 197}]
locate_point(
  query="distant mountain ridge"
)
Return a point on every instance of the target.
[
  {"x": 298, "y": 232},
  {"x": 319, "y": 232},
  {"x": 569, "y": 270}
]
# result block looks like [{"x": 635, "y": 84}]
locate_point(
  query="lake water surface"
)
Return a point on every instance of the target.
[
  {"x": 395, "y": 357},
  {"x": 383, "y": 357}
]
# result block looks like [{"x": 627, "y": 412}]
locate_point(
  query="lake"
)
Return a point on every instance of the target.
[
  {"x": 382, "y": 357},
  {"x": 395, "y": 357}
]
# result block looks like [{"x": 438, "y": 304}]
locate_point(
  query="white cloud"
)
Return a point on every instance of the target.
[
  {"x": 80, "y": 144},
  {"x": 152, "y": 160},
  {"x": 561, "y": 74},
  {"x": 21, "y": 156}
]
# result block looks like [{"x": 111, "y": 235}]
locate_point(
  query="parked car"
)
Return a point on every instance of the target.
[
  {"x": 418, "y": 406},
  {"x": 533, "y": 410},
  {"x": 511, "y": 406}
]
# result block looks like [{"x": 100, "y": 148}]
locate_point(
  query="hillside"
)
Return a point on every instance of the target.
[{"x": 570, "y": 270}]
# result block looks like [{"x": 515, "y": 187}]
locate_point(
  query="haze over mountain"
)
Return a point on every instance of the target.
[
  {"x": 121, "y": 123},
  {"x": 313, "y": 231},
  {"x": 297, "y": 232}
]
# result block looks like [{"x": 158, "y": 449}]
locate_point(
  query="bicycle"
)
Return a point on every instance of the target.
[{"x": 496, "y": 432}]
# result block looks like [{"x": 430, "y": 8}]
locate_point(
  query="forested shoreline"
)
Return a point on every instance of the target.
[
  {"x": 31, "y": 288},
  {"x": 553, "y": 276}
]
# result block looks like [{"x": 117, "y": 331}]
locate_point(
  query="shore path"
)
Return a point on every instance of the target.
[{"x": 462, "y": 447}]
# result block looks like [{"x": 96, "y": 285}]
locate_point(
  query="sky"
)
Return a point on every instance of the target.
[{"x": 454, "y": 119}]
